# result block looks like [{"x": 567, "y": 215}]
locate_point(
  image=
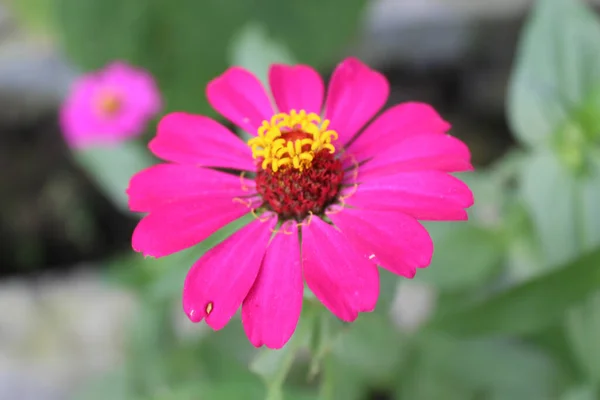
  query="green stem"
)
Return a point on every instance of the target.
[
  {"x": 327, "y": 387},
  {"x": 580, "y": 222}
]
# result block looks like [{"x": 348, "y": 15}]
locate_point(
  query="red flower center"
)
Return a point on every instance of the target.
[
  {"x": 294, "y": 194},
  {"x": 298, "y": 174}
]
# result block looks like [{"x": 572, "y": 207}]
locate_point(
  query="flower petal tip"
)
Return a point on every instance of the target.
[{"x": 194, "y": 316}]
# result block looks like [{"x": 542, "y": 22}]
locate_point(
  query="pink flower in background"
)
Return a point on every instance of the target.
[
  {"x": 334, "y": 196},
  {"x": 109, "y": 105}
]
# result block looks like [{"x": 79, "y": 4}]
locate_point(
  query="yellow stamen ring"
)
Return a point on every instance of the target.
[{"x": 292, "y": 140}]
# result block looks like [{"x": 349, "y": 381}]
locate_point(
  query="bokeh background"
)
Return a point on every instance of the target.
[{"x": 508, "y": 310}]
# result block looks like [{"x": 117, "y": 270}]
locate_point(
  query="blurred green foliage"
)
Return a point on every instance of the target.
[
  {"x": 185, "y": 43},
  {"x": 517, "y": 312}
]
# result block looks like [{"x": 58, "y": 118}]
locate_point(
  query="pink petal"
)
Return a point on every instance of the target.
[
  {"x": 169, "y": 183},
  {"x": 297, "y": 87},
  {"x": 77, "y": 118},
  {"x": 432, "y": 151},
  {"x": 396, "y": 124},
  {"x": 343, "y": 279},
  {"x": 174, "y": 227},
  {"x": 426, "y": 195},
  {"x": 219, "y": 281},
  {"x": 395, "y": 240},
  {"x": 356, "y": 93},
  {"x": 198, "y": 140},
  {"x": 139, "y": 87},
  {"x": 240, "y": 97},
  {"x": 271, "y": 311},
  {"x": 84, "y": 127},
  {"x": 139, "y": 95}
]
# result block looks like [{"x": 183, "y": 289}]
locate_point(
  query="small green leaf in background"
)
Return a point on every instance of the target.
[
  {"x": 316, "y": 31},
  {"x": 527, "y": 307},
  {"x": 253, "y": 49},
  {"x": 548, "y": 191},
  {"x": 583, "y": 330},
  {"x": 523, "y": 257},
  {"x": 112, "y": 167},
  {"x": 564, "y": 208},
  {"x": 464, "y": 257},
  {"x": 558, "y": 62}
]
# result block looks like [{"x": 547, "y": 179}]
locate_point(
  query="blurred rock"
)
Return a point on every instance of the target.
[
  {"x": 33, "y": 76},
  {"x": 58, "y": 332},
  {"x": 413, "y": 305}
]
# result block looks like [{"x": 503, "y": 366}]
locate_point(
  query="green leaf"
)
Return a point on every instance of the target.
[
  {"x": 446, "y": 368},
  {"x": 112, "y": 168},
  {"x": 273, "y": 365},
  {"x": 564, "y": 208},
  {"x": 553, "y": 342},
  {"x": 583, "y": 329},
  {"x": 463, "y": 258},
  {"x": 527, "y": 307},
  {"x": 580, "y": 393},
  {"x": 371, "y": 346},
  {"x": 549, "y": 194},
  {"x": 558, "y": 62}
]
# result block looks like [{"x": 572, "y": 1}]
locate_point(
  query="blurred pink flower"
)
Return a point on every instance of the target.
[
  {"x": 332, "y": 200},
  {"x": 109, "y": 105}
]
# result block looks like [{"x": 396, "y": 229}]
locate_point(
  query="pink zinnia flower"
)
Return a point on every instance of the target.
[
  {"x": 333, "y": 201},
  {"x": 109, "y": 105}
]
